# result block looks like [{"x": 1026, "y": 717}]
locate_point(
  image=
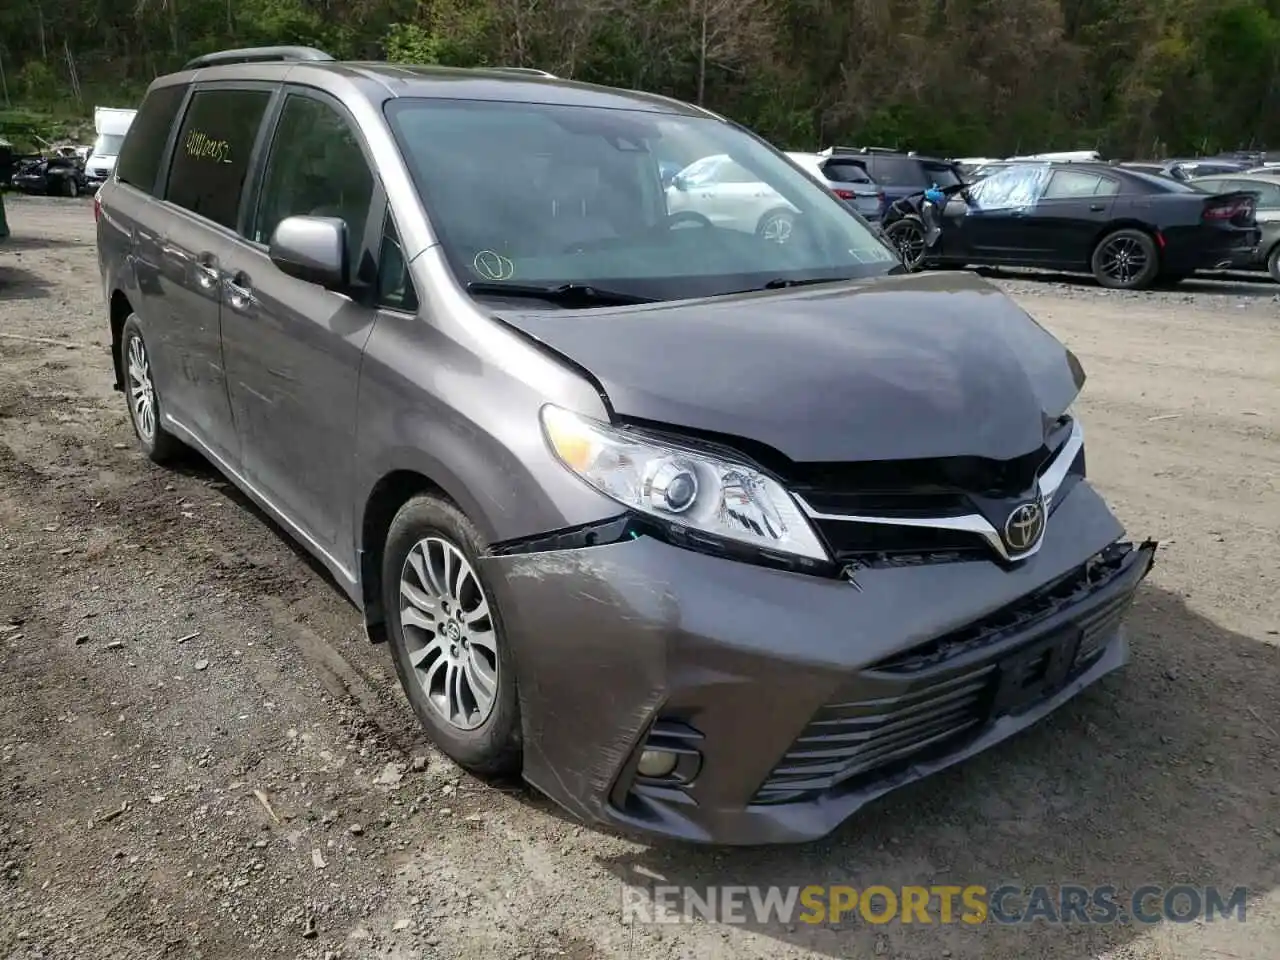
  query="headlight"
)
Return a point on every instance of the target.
[{"x": 701, "y": 492}]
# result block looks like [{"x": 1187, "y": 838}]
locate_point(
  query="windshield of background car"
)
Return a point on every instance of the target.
[
  {"x": 108, "y": 145},
  {"x": 555, "y": 194}
]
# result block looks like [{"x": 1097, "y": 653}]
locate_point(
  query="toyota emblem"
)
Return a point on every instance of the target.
[{"x": 1025, "y": 526}]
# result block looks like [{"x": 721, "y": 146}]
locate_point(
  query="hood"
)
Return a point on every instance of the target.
[{"x": 915, "y": 366}]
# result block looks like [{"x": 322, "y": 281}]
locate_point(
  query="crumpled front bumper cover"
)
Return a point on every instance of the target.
[{"x": 612, "y": 642}]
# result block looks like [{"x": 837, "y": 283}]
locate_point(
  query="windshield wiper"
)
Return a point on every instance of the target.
[
  {"x": 566, "y": 294},
  {"x": 781, "y": 283}
]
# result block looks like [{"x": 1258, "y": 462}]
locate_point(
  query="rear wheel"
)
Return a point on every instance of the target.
[
  {"x": 144, "y": 403},
  {"x": 1125, "y": 260},
  {"x": 447, "y": 637},
  {"x": 1273, "y": 263}
]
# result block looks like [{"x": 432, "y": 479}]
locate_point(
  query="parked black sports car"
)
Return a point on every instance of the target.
[
  {"x": 54, "y": 176},
  {"x": 1129, "y": 229}
]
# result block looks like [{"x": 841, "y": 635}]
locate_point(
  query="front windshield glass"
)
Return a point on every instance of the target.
[
  {"x": 647, "y": 204},
  {"x": 108, "y": 145}
]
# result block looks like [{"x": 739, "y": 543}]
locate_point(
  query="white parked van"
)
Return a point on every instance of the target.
[{"x": 111, "y": 124}]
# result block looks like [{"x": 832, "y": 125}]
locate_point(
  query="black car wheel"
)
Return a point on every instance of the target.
[
  {"x": 71, "y": 188},
  {"x": 908, "y": 236},
  {"x": 447, "y": 637},
  {"x": 1273, "y": 263},
  {"x": 1125, "y": 260},
  {"x": 144, "y": 403}
]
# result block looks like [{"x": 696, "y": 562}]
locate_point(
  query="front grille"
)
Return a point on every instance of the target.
[
  {"x": 847, "y": 739},
  {"x": 915, "y": 490},
  {"x": 922, "y": 701}
]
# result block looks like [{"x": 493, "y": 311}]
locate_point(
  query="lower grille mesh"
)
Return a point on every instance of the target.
[{"x": 846, "y": 739}]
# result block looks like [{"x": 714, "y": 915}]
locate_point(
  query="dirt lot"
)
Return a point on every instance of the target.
[{"x": 201, "y": 757}]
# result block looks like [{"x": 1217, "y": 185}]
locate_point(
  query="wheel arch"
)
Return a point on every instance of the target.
[
  {"x": 120, "y": 310},
  {"x": 1127, "y": 223},
  {"x": 392, "y": 491}
]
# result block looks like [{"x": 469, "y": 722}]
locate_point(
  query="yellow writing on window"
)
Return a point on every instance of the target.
[{"x": 203, "y": 147}]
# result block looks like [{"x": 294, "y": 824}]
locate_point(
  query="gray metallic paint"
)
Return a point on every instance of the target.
[{"x": 319, "y": 400}]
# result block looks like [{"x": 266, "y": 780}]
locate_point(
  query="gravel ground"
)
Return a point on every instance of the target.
[{"x": 201, "y": 757}]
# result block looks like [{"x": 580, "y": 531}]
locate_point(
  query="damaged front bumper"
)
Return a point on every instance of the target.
[{"x": 789, "y": 701}]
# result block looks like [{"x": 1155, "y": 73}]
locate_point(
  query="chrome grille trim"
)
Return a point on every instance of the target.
[{"x": 1049, "y": 483}]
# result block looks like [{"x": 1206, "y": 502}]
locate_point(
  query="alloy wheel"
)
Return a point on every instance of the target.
[
  {"x": 142, "y": 392},
  {"x": 777, "y": 229},
  {"x": 1123, "y": 260},
  {"x": 448, "y": 633},
  {"x": 910, "y": 241}
]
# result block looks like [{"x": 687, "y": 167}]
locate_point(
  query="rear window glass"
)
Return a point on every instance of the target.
[
  {"x": 144, "y": 144},
  {"x": 211, "y": 157},
  {"x": 846, "y": 171}
]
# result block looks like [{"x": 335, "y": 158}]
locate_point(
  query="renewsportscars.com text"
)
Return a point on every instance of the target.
[{"x": 937, "y": 904}]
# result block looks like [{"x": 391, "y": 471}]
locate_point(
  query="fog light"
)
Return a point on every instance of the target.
[{"x": 656, "y": 763}]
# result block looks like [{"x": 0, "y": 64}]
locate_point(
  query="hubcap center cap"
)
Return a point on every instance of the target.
[{"x": 451, "y": 630}]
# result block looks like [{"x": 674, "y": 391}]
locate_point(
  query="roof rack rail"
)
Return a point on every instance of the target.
[
  {"x": 257, "y": 55},
  {"x": 530, "y": 71}
]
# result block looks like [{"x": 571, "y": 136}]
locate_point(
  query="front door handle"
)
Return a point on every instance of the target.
[
  {"x": 240, "y": 293},
  {"x": 1097, "y": 207},
  {"x": 207, "y": 271}
]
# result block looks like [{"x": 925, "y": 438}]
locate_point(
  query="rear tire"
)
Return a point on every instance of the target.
[
  {"x": 145, "y": 410},
  {"x": 1125, "y": 260},
  {"x": 776, "y": 226},
  {"x": 1273, "y": 263},
  {"x": 454, "y": 663}
]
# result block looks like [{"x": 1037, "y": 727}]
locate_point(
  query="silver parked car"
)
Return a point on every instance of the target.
[{"x": 847, "y": 178}]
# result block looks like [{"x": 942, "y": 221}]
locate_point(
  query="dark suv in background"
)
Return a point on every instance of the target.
[
  {"x": 902, "y": 173},
  {"x": 707, "y": 532}
]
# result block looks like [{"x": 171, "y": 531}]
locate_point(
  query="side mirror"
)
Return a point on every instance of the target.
[
  {"x": 313, "y": 249},
  {"x": 680, "y": 183}
]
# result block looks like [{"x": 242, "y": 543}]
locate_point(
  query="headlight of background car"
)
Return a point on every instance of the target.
[{"x": 702, "y": 492}]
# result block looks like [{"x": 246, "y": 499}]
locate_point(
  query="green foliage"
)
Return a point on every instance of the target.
[{"x": 985, "y": 77}]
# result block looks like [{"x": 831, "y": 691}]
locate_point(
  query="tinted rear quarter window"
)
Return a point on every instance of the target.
[
  {"x": 144, "y": 144},
  {"x": 846, "y": 171},
  {"x": 897, "y": 171},
  {"x": 211, "y": 155},
  {"x": 943, "y": 174}
]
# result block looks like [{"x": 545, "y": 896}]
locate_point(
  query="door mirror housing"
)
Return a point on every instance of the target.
[
  {"x": 680, "y": 183},
  {"x": 313, "y": 249}
]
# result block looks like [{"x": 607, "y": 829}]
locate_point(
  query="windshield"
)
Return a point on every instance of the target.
[
  {"x": 108, "y": 145},
  {"x": 540, "y": 194}
]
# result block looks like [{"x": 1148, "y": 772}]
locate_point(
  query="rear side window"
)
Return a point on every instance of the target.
[
  {"x": 897, "y": 171},
  {"x": 943, "y": 174},
  {"x": 846, "y": 171},
  {"x": 211, "y": 157},
  {"x": 1072, "y": 184},
  {"x": 140, "y": 157}
]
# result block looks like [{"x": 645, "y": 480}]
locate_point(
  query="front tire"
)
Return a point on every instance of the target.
[
  {"x": 448, "y": 640},
  {"x": 908, "y": 236},
  {"x": 1273, "y": 263},
  {"x": 72, "y": 189},
  {"x": 144, "y": 403},
  {"x": 1125, "y": 260},
  {"x": 776, "y": 226}
]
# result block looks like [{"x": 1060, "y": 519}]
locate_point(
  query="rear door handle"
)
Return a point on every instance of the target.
[
  {"x": 1097, "y": 207},
  {"x": 240, "y": 293}
]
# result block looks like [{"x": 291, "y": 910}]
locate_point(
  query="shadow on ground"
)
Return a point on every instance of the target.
[
  {"x": 19, "y": 284},
  {"x": 1255, "y": 285},
  {"x": 1164, "y": 773}
]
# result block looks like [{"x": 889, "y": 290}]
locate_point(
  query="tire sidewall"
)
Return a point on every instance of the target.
[
  {"x": 494, "y": 747},
  {"x": 1273, "y": 263},
  {"x": 779, "y": 213},
  {"x": 1144, "y": 279}
]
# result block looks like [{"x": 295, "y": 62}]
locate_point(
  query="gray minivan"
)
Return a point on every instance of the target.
[{"x": 704, "y": 533}]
